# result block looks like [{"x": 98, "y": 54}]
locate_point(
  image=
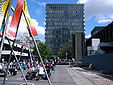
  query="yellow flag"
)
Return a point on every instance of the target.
[
  {"x": 4, "y": 7},
  {"x": 25, "y": 8},
  {"x": 3, "y": 10},
  {"x": 32, "y": 28}
]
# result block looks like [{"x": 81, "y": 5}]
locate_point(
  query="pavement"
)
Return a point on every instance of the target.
[
  {"x": 64, "y": 75},
  {"x": 93, "y": 77}
]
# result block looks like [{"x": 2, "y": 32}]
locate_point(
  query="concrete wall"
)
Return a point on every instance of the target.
[
  {"x": 100, "y": 62},
  {"x": 79, "y": 45}
]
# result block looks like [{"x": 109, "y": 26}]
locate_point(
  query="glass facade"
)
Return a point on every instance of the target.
[{"x": 61, "y": 21}]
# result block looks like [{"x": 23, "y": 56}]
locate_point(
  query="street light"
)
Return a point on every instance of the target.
[{"x": 66, "y": 54}]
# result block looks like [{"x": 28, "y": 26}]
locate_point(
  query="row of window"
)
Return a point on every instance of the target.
[
  {"x": 57, "y": 41},
  {"x": 64, "y": 23},
  {"x": 55, "y": 45},
  {"x": 64, "y": 27},
  {"x": 59, "y": 7},
  {"x": 65, "y": 11},
  {"x": 58, "y": 36},
  {"x": 65, "y": 15},
  {"x": 65, "y": 19}
]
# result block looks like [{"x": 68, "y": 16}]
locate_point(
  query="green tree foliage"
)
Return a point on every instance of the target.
[
  {"x": 44, "y": 49},
  {"x": 65, "y": 51}
]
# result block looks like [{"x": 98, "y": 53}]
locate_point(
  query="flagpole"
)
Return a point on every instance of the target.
[
  {"x": 31, "y": 58},
  {"x": 5, "y": 26},
  {"x": 22, "y": 49},
  {"x": 18, "y": 62},
  {"x": 29, "y": 30},
  {"x": 28, "y": 39},
  {"x": 11, "y": 52},
  {"x": 30, "y": 53},
  {"x": 3, "y": 36}
]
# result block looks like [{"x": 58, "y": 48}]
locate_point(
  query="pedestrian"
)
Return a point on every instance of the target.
[
  {"x": 28, "y": 65},
  {"x": 41, "y": 72}
]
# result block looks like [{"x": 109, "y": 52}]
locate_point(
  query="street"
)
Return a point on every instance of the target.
[{"x": 64, "y": 75}]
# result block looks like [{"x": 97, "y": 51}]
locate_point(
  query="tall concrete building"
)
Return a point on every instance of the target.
[{"x": 62, "y": 20}]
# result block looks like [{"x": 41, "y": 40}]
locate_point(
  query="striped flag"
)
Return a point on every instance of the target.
[{"x": 11, "y": 32}]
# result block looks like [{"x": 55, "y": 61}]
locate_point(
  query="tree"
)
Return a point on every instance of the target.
[
  {"x": 44, "y": 49},
  {"x": 65, "y": 51}
]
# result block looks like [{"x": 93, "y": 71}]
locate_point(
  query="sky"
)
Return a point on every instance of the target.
[{"x": 97, "y": 13}]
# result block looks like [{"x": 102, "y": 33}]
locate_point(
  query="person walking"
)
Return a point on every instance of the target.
[{"x": 41, "y": 72}]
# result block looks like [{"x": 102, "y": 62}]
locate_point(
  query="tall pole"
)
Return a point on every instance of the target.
[
  {"x": 73, "y": 45},
  {"x": 11, "y": 51},
  {"x": 30, "y": 52},
  {"x": 37, "y": 48},
  {"x": 18, "y": 62},
  {"x": 31, "y": 58},
  {"x": 5, "y": 25},
  {"x": 76, "y": 46}
]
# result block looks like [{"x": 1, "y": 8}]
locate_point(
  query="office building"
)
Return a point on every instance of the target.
[
  {"x": 63, "y": 20},
  {"x": 105, "y": 34}
]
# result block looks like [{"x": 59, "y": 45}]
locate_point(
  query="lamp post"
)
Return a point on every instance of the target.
[
  {"x": 73, "y": 44},
  {"x": 66, "y": 54},
  {"x": 76, "y": 46}
]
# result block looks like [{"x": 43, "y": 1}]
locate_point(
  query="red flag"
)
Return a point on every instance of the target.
[
  {"x": 33, "y": 30},
  {"x": 15, "y": 19}
]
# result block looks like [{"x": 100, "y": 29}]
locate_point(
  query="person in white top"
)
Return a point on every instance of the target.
[
  {"x": 1, "y": 66},
  {"x": 2, "y": 70},
  {"x": 41, "y": 72}
]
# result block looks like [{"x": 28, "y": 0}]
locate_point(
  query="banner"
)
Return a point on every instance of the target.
[
  {"x": 31, "y": 28},
  {"x": 3, "y": 15},
  {"x": 11, "y": 32},
  {"x": 4, "y": 7}
]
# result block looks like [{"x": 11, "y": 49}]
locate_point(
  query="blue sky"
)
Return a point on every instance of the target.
[{"x": 97, "y": 12}]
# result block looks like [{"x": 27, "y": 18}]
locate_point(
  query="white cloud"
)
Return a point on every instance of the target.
[
  {"x": 82, "y": 1},
  {"x": 99, "y": 9},
  {"x": 23, "y": 27},
  {"x": 35, "y": 22},
  {"x": 42, "y": 3},
  {"x": 40, "y": 30},
  {"x": 44, "y": 23},
  {"x": 105, "y": 19}
]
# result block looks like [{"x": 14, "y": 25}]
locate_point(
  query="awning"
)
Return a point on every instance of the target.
[{"x": 4, "y": 52}]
